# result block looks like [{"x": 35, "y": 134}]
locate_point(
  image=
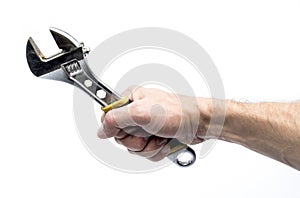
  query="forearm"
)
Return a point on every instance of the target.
[{"x": 272, "y": 129}]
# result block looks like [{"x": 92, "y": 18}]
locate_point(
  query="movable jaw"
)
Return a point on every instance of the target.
[
  {"x": 64, "y": 41},
  {"x": 50, "y": 67}
]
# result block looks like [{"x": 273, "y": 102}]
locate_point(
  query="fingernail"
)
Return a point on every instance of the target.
[{"x": 160, "y": 142}]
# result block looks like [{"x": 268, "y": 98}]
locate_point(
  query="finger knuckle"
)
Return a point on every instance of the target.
[
  {"x": 109, "y": 119},
  {"x": 139, "y": 113}
]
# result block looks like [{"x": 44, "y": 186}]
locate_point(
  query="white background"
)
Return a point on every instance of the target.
[{"x": 255, "y": 45}]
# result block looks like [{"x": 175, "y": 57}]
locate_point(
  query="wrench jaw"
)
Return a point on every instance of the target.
[
  {"x": 50, "y": 67},
  {"x": 35, "y": 59},
  {"x": 64, "y": 41}
]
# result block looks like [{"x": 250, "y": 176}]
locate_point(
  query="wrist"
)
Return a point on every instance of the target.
[
  {"x": 219, "y": 119},
  {"x": 212, "y": 118}
]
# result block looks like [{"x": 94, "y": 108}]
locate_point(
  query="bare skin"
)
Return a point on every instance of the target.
[{"x": 272, "y": 129}]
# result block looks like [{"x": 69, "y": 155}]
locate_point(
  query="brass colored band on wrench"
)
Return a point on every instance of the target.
[
  {"x": 175, "y": 146},
  {"x": 115, "y": 104}
]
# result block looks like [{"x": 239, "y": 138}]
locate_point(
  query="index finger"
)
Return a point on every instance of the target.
[{"x": 115, "y": 120}]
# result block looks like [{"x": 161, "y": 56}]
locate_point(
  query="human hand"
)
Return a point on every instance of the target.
[{"x": 145, "y": 125}]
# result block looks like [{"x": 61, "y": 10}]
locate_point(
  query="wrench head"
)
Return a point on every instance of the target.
[{"x": 50, "y": 67}]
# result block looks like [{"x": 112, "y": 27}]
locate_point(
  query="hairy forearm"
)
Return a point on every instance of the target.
[{"x": 272, "y": 129}]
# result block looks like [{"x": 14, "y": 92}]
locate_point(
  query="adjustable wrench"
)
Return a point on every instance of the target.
[{"x": 70, "y": 66}]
